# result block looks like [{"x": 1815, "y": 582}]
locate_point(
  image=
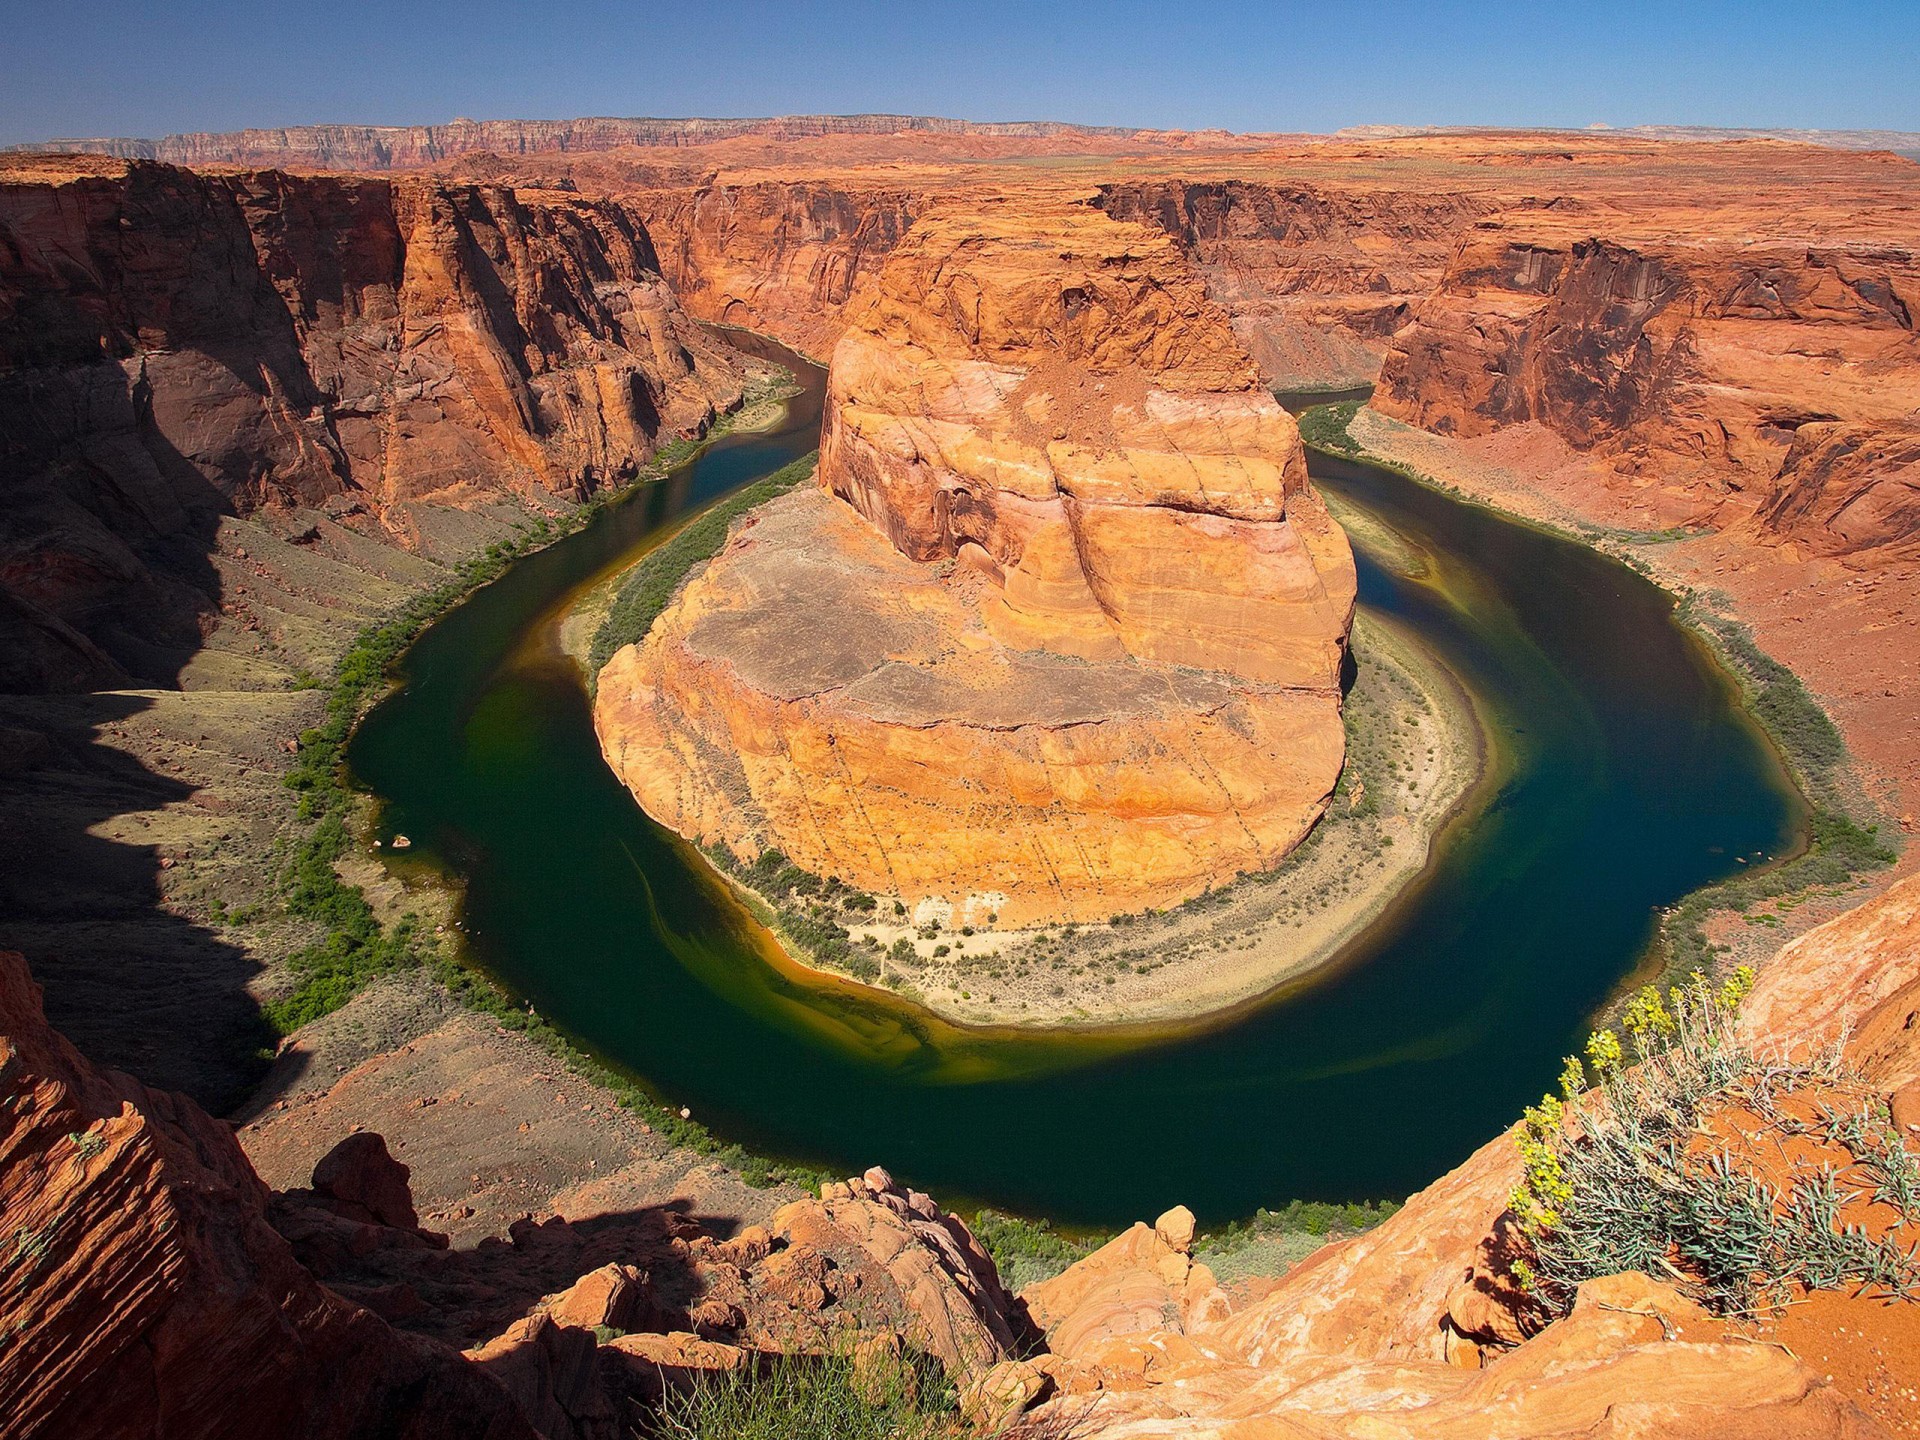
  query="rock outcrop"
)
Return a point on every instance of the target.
[
  {"x": 1748, "y": 360},
  {"x": 177, "y": 346},
  {"x": 143, "y": 1293},
  {"x": 1062, "y": 637},
  {"x": 150, "y": 1284},
  {"x": 780, "y": 257}
]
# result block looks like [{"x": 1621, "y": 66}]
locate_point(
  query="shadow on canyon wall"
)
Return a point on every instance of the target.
[{"x": 107, "y": 588}]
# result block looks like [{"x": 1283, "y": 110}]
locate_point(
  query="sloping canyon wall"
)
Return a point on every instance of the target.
[
  {"x": 175, "y": 346},
  {"x": 1756, "y": 366}
]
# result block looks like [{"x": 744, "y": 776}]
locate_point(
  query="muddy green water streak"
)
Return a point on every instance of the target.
[{"x": 1626, "y": 774}]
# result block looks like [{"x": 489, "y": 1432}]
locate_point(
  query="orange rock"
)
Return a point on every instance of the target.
[
  {"x": 1675, "y": 338},
  {"x": 608, "y": 1296},
  {"x": 918, "y": 1271},
  {"x": 1130, "y": 687},
  {"x": 144, "y": 1282}
]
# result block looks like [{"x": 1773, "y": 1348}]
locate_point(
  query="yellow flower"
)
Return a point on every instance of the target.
[{"x": 1603, "y": 1049}]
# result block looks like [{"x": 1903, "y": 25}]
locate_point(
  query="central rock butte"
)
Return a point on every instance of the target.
[{"x": 1060, "y": 634}]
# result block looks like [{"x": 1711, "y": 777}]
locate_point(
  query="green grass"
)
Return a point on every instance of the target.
[
  {"x": 804, "y": 1397},
  {"x": 1324, "y": 427},
  {"x": 1028, "y": 1251},
  {"x": 652, "y": 583}
]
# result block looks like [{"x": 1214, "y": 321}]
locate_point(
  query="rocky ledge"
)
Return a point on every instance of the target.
[{"x": 1061, "y": 634}]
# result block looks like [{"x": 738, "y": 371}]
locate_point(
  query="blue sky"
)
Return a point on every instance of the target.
[{"x": 89, "y": 68}]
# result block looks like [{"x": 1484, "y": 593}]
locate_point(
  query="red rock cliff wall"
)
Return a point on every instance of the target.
[
  {"x": 1317, "y": 279},
  {"x": 174, "y": 346},
  {"x": 1771, "y": 366},
  {"x": 780, "y": 257}
]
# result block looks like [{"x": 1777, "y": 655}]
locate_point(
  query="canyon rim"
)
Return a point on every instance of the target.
[{"x": 1056, "y": 628}]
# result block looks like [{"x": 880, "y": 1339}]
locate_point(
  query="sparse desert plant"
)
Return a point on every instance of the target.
[
  {"x": 1626, "y": 1177},
  {"x": 813, "y": 1397}
]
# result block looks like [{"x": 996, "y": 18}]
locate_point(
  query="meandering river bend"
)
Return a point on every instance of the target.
[{"x": 1623, "y": 774}]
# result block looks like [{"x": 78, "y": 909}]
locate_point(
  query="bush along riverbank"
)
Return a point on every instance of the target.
[
  {"x": 354, "y": 945},
  {"x": 653, "y": 581},
  {"x": 1845, "y": 841}
]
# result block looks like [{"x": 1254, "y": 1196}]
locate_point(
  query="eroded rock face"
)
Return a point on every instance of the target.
[
  {"x": 1764, "y": 361},
  {"x": 1063, "y": 636},
  {"x": 144, "y": 1292},
  {"x": 780, "y": 257},
  {"x": 1316, "y": 278},
  {"x": 175, "y": 346}
]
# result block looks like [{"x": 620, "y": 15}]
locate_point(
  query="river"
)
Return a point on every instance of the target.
[{"x": 1624, "y": 773}]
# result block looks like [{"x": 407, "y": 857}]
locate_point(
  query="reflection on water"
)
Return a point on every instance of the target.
[{"x": 1624, "y": 775}]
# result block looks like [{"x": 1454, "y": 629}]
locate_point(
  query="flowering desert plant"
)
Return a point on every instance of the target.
[{"x": 1617, "y": 1179}]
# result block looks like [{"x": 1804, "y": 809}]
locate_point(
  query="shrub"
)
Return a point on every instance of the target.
[
  {"x": 1620, "y": 1181},
  {"x": 805, "y": 1397},
  {"x": 652, "y": 582}
]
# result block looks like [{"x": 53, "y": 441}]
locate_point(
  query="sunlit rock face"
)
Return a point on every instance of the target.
[{"x": 1060, "y": 634}]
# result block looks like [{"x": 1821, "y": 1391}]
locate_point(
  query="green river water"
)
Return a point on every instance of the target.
[{"x": 1624, "y": 773}]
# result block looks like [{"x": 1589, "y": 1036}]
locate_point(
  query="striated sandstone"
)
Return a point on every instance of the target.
[
  {"x": 175, "y": 346},
  {"x": 145, "y": 1293},
  {"x": 1064, "y": 638},
  {"x": 783, "y": 258},
  {"x": 1690, "y": 349}
]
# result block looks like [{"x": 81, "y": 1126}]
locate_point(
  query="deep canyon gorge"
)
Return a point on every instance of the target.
[{"x": 1057, "y": 629}]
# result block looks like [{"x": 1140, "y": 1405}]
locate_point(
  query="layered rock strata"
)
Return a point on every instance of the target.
[
  {"x": 177, "y": 346},
  {"x": 1061, "y": 634},
  {"x": 1757, "y": 366},
  {"x": 1316, "y": 278}
]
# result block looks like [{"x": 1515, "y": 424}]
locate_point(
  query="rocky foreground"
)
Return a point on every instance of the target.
[
  {"x": 154, "y": 1284},
  {"x": 1061, "y": 638}
]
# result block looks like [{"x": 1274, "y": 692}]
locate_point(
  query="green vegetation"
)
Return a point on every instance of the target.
[
  {"x": 1028, "y": 1251},
  {"x": 1324, "y": 427},
  {"x": 652, "y": 583},
  {"x": 1622, "y": 1181},
  {"x": 1270, "y": 1243},
  {"x": 805, "y": 1397},
  {"x": 1838, "y": 850}
]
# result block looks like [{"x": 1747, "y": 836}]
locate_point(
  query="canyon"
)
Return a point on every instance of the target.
[{"x": 245, "y": 411}]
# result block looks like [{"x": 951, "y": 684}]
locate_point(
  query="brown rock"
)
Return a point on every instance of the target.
[
  {"x": 926, "y": 1280},
  {"x": 145, "y": 1282},
  {"x": 1175, "y": 1229},
  {"x": 235, "y": 342},
  {"x": 1002, "y": 1394},
  {"x": 364, "y": 1182},
  {"x": 611, "y": 1296}
]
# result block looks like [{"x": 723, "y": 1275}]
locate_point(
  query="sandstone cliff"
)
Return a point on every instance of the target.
[
  {"x": 1691, "y": 351},
  {"x": 1064, "y": 637},
  {"x": 145, "y": 1294},
  {"x": 176, "y": 346},
  {"x": 780, "y": 257},
  {"x": 1316, "y": 278},
  {"x": 402, "y": 147}
]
